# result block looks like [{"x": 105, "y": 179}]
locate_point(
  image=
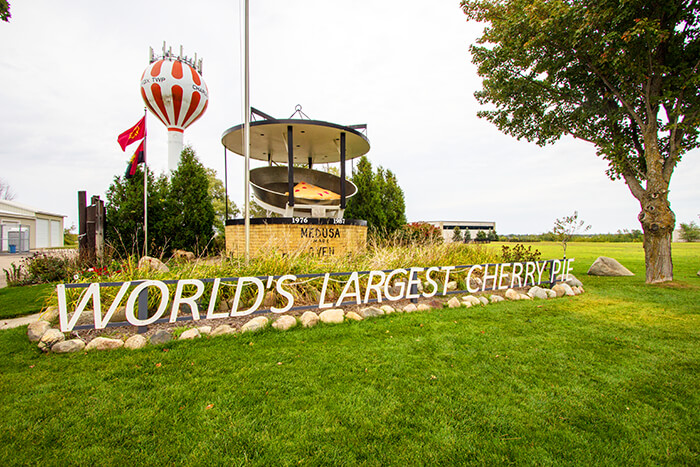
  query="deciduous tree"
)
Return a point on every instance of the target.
[{"x": 622, "y": 75}]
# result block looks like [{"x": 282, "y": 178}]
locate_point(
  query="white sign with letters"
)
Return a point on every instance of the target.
[{"x": 378, "y": 287}]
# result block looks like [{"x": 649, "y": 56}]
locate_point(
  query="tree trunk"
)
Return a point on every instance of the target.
[{"x": 658, "y": 222}]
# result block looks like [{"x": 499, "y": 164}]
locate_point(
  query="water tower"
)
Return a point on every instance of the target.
[{"x": 174, "y": 91}]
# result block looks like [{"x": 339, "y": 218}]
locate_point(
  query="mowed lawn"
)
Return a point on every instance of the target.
[{"x": 610, "y": 377}]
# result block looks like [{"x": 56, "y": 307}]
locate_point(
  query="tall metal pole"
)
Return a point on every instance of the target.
[
  {"x": 246, "y": 134},
  {"x": 145, "y": 190}
]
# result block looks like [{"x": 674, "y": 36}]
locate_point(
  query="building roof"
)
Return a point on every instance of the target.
[{"x": 13, "y": 207}]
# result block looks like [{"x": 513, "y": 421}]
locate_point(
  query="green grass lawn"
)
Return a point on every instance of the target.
[
  {"x": 21, "y": 301},
  {"x": 609, "y": 377}
]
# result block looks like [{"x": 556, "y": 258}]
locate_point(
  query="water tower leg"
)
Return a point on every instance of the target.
[{"x": 174, "y": 148}]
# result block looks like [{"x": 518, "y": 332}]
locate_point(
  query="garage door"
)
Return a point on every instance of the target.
[
  {"x": 42, "y": 233},
  {"x": 56, "y": 234}
]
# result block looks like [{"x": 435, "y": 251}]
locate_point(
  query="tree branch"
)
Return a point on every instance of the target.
[
  {"x": 634, "y": 185},
  {"x": 617, "y": 94}
]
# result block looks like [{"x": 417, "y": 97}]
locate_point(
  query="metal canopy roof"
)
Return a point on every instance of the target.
[{"x": 313, "y": 139}]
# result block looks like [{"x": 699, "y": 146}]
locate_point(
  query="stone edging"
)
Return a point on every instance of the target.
[{"x": 54, "y": 341}]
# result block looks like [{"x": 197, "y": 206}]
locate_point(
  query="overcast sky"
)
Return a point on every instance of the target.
[{"x": 69, "y": 84}]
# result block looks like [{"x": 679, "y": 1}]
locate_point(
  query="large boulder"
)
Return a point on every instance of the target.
[
  {"x": 70, "y": 346},
  {"x": 150, "y": 263},
  {"x": 604, "y": 266},
  {"x": 37, "y": 329}
]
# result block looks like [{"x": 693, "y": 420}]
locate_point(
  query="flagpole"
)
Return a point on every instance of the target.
[
  {"x": 246, "y": 137},
  {"x": 145, "y": 189}
]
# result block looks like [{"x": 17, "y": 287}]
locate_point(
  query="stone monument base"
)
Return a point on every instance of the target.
[{"x": 318, "y": 236}]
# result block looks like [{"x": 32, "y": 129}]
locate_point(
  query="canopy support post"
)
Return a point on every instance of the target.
[
  {"x": 290, "y": 166},
  {"x": 342, "y": 170}
]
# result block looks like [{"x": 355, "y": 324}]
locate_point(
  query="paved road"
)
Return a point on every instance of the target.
[{"x": 5, "y": 261}]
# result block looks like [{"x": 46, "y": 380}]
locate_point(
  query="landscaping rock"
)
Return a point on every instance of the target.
[
  {"x": 284, "y": 323},
  {"x": 50, "y": 314},
  {"x": 496, "y": 299},
  {"x": 183, "y": 255},
  {"x": 512, "y": 295},
  {"x": 467, "y": 304},
  {"x": 190, "y": 334},
  {"x": 224, "y": 307},
  {"x": 604, "y": 266},
  {"x": 483, "y": 300},
  {"x": 37, "y": 329},
  {"x": 475, "y": 283},
  {"x": 423, "y": 307},
  {"x": 161, "y": 336},
  {"x": 73, "y": 345},
  {"x": 537, "y": 292},
  {"x": 452, "y": 285},
  {"x": 104, "y": 343},
  {"x": 137, "y": 341},
  {"x": 351, "y": 315},
  {"x": 454, "y": 302},
  {"x": 525, "y": 297},
  {"x": 255, "y": 324},
  {"x": 333, "y": 316},
  {"x": 410, "y": 308},
  {"x": 471, "y": 299},
  {"x": 551, "y": 293},
  {"x": 371, "y": 312},
  {"x": 572, "y": 280},
  {"x": 86, "y": 317},
  {"x": 149, "y": 263},
  {"x": 50, "y": 338},
  {"x": 223, "y": 329},
  {"x": 387, "y": 309},
  {"x": 309, "y": 319},
  {"x": 204, "y": 330},
  {"x": 562, "y": 289}
]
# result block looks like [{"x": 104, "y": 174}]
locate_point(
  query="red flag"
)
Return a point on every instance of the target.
[
  {"x": 134, "y": 133},
  {"x": 138, "y": 157}
]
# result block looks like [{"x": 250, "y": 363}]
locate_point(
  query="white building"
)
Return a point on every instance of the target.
[
  {"x": 470, "y": 228},
  {"x": 24, "y": 228}
]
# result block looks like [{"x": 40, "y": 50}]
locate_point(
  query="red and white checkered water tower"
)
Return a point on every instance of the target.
[{"x": 174, "y": 91}]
